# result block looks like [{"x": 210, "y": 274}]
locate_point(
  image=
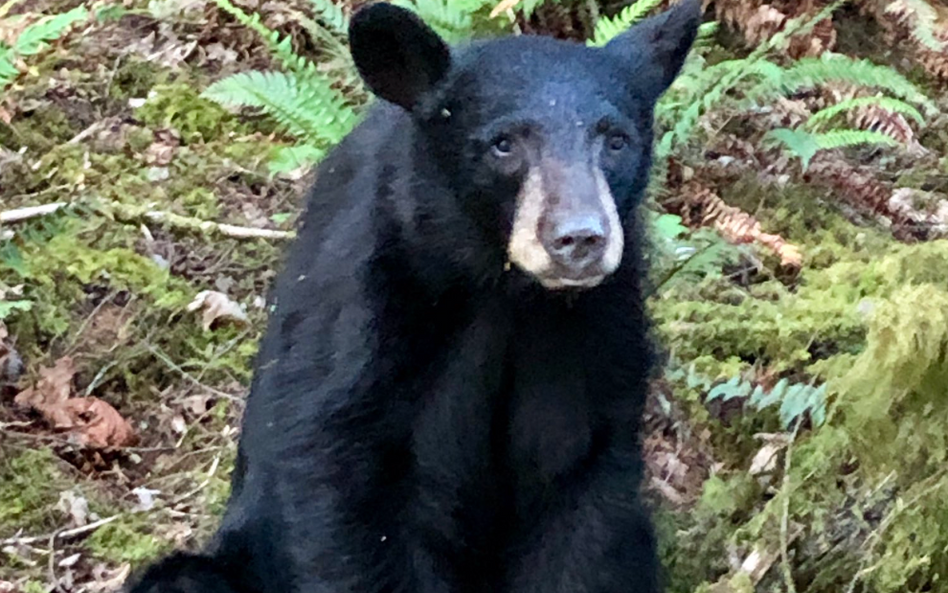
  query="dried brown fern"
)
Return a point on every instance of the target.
[
  {"x": 758, "y": 20},
  {"x": 701, "y": 206},
  {"x": 920, "y": 25}
]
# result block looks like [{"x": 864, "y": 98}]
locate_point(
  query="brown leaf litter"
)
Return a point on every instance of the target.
[{"x": 90, "y": 421}]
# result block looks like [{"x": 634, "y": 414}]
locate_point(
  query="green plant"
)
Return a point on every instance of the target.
[
  {"x": 33, "y": 39},
  {"x": 7, "y": 308},
  {"x": 606, "y": 28},
  {"x": 794, "y": 399},
  {"x": 804, "y": 145},
  {"x": 454, "y": 20},
  {"x": 821, "y": 117},
  {"x": 759, "y": 78},
  {"x": 301, "y": 99},
  {"x": 678, "y": 254}
]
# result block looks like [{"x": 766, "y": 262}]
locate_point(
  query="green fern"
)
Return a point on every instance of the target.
[
  {"x": 607, "y": 28},
  {"x": 292, "y": 158},
  {"x": 34, "y": 39},
  {"x": 308, "y": 108},
  {"x": 452, "y": 19},
  {"x": 282, "y": 47},
  {"x": 888, "y": 103},
  {"x": 794, "y": 399},
  {"x": 698, "y": 91},
  {"x": 828, "y": 68},
  {"x": 804, "y": 145},
  {"x": 303, "y": 100},
  {"x": 678, "y": 254},
  {"x": 924, "y": 24}
]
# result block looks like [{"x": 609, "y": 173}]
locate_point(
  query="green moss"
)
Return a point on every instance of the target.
[
  {"x": 693, "y": 542},
  {"x": 35, "y": 587},
  {"x": 179, "y": 106},
  {"x": 129, "y": 539},
  {"x": 134, "y": 78},
  {"x": 30, "y": 484}
]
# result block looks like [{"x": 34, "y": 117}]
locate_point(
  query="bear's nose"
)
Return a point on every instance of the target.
[{"x": 577, "y": 242}]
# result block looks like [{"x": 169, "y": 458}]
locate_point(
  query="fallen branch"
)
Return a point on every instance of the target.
[
  {"x": 21, "y": 214},
  {"x": 127, "y": 213},
  {"x": 58, "y": 535}
]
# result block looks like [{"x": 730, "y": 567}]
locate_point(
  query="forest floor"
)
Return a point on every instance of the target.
[{"x": 128, "y": 327}]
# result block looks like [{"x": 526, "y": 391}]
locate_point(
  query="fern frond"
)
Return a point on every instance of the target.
[
  {"x": 282, "y": 47},
  {"x": 8, "y": 71},
  {"x": 888, "y": 103},
  {"x": 706, "y": 33},
  {"x": 801, "y": 25},
  {"x": 710, "y": 87},
  {"x": 844, "y": 138},
  {"x": 608, "y": 28},
  {"x": 35, "y": 37},
  {"x": 804, "y": 145},
  {"x": 921, "y": 20},
  {"x": 332, "y": 15},
  {"x": 292, "y": 158},
  {"x": 308, "y": 108},
  {"x": 812, "y": 72},
  {"x": 452, "y": 19}
]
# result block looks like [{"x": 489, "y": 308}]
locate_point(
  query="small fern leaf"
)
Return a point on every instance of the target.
[
  {"x": 48, "y": 29},
  {"x": 888, "y": 103},
  {"x": 799, "y": 143},
  {"x": 608, "y": 28},
  {"x": 308, "y": 108}
]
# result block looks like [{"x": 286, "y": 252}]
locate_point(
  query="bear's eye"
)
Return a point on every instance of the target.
[
  {"x": 502, "y": 146},
  {"x": 617, "y": 141}
]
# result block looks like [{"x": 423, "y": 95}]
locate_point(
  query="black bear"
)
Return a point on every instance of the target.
[{"x": 448, "y": 396}]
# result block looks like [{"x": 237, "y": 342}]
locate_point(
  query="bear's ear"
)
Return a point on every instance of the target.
[
  {"x": 661, "y": 42},
  {"x": 399, "y": 57}
]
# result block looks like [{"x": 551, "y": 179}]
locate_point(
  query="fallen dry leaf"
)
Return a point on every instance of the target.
[
  {"x": 89, "y": 420},
  {"x": 765, "y": 460},
  {"x": 217, "y": 306},
  {"x": 107, "y": 579},
  {"x": 53, "y": 388},
  {"x": 76, "y": 506}
]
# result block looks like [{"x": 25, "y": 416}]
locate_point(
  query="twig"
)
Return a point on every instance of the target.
[
  {"x": 21, "y": 214},
  {"x": 127, "y": 213},
  {"x": 135, "y": 214},
  {"x": 52, "y": 563},
  {"x": 59, "y": 535}
]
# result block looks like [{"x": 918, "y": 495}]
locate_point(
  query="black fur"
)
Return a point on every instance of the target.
[{"x": 421, "y": 419}]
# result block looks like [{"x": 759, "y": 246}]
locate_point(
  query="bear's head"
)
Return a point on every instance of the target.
[{"x": 545, "y": 143}]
